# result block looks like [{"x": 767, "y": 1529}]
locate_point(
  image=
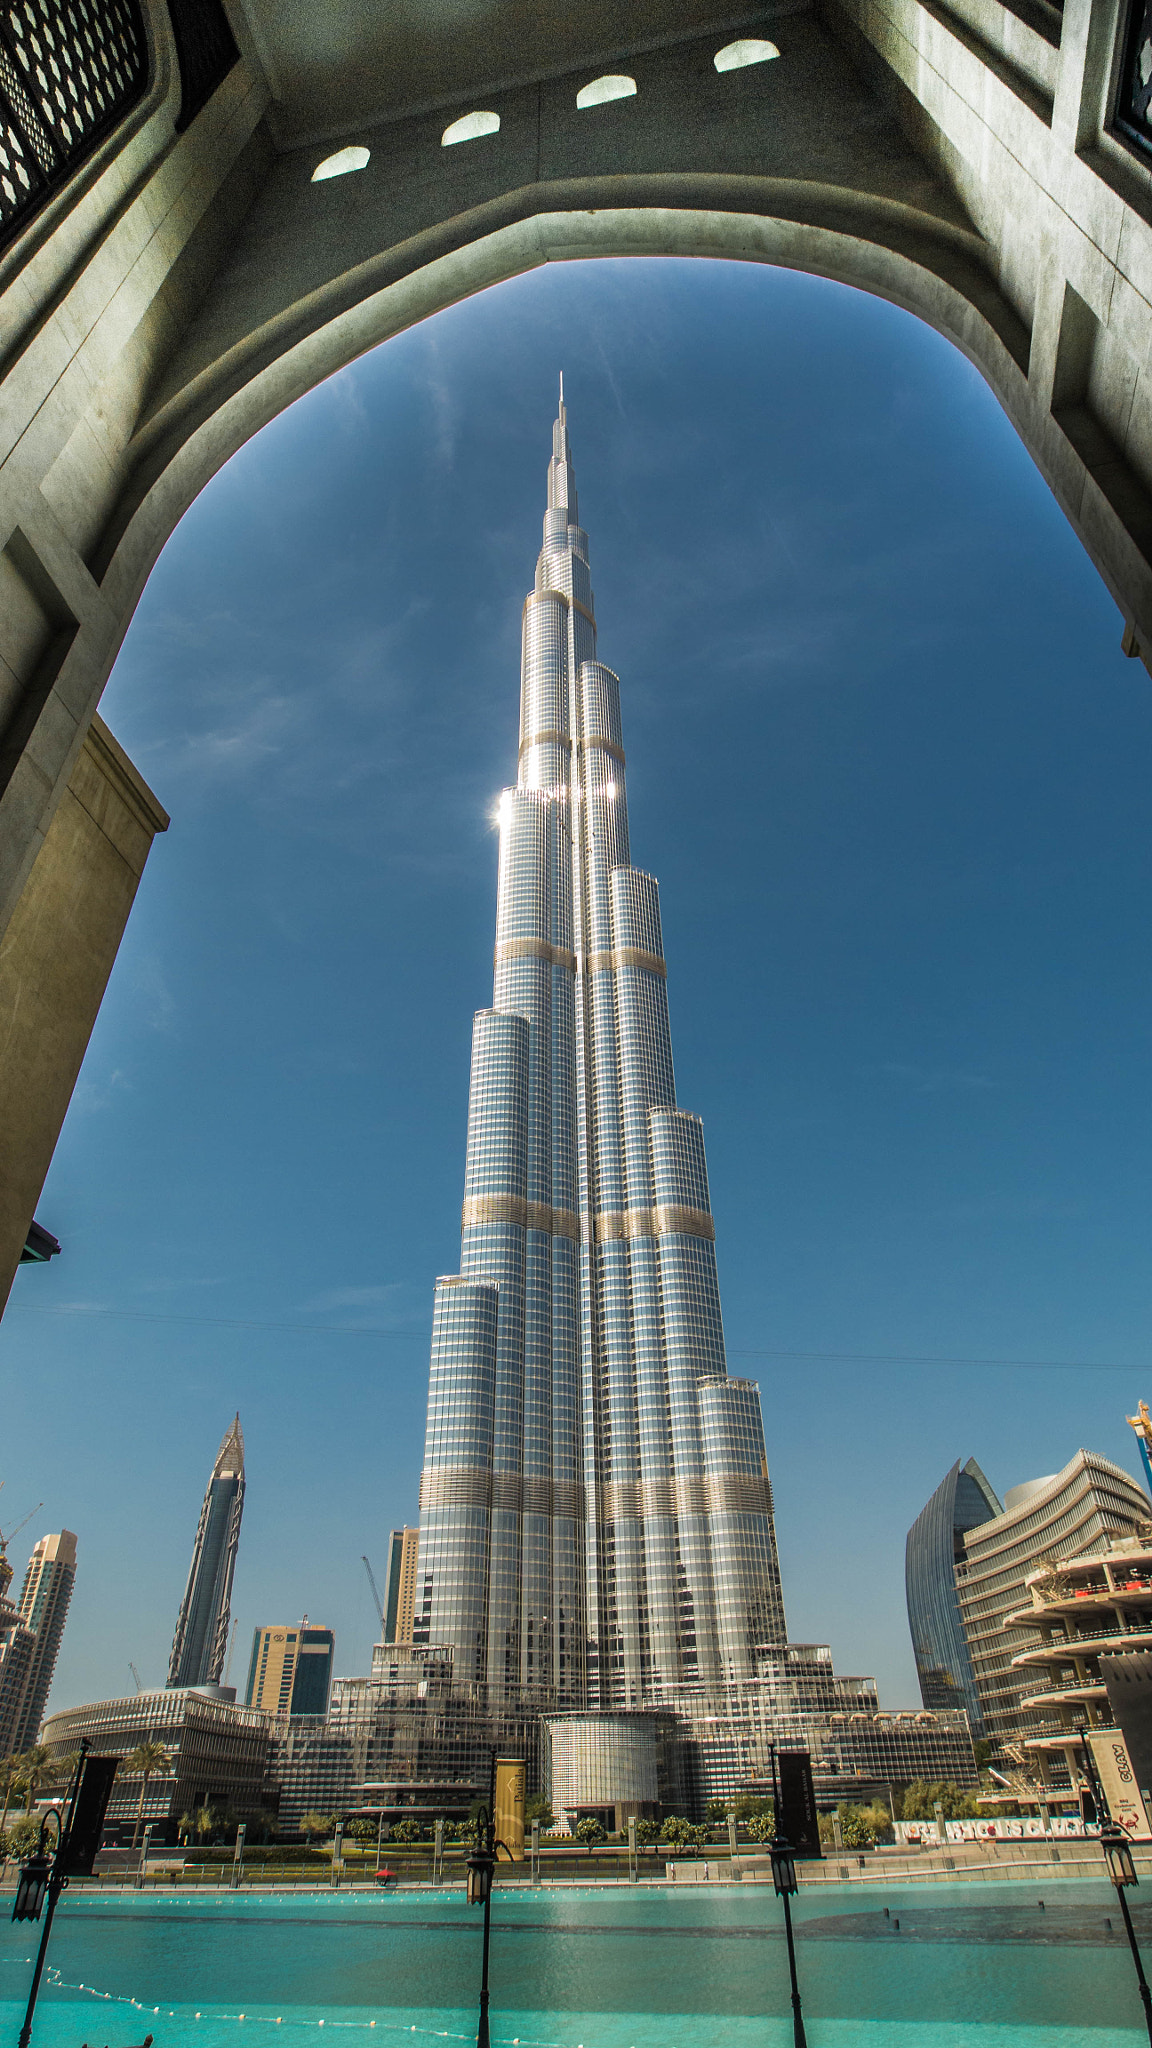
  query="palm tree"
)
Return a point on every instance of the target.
[
  {"x": 146, "y": 1759},
  {"x": 10, "y": 1773},
  {"x": 203, "y": 1820},
  {"x": 35, "y": 1766},
  {"x": 313, "y": 1824}
]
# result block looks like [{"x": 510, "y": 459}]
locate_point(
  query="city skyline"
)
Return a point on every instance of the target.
[{"x": 890, "y": 769}]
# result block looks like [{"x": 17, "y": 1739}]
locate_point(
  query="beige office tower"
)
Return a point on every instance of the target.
[
  {"x": 291, "y": 1669},
  {"x": 29, "y": 1665},
  {"x": 403, "y": 1551},
  {"x": 16, "y": 1646}
]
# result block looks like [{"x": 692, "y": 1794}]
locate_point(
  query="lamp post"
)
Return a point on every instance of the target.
[
  {"x": 481, "y": 1868},
  {"x": 784, "y": 1879},
  {"x": 481, "y": 1864},
  {"x": 78, "y": 1833},
  {"x": 1121, "y": 1870}
]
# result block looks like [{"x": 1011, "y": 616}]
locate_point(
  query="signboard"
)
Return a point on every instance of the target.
[
  {"x": 511, "y": 1786},
  {"x": 1118, "y": 1779},
  {"x": 797, "y": 1819},
  {"x": 78, "y": 1851}
]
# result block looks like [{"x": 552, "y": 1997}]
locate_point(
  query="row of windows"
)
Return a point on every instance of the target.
[{"x": 598, "y": 92}]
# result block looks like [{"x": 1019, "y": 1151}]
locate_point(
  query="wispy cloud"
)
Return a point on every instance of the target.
[
  {"x": 93, "y": 1095},
  {"x": 352, "y": 1297},
  {"x": 934, "y": 1080}
]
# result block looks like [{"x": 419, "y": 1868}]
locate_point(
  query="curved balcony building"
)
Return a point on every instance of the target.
[
  {"x": 596, "y": 1519},
  {"x": 1079, "y": 1609},
  {"x": 1075, "y": 1513}
]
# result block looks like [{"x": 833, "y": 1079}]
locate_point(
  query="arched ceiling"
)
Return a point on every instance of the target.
[{"x": 332, "y": 64}]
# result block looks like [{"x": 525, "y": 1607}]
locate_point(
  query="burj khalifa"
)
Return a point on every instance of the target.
[{"x": 596, "y": 1525}]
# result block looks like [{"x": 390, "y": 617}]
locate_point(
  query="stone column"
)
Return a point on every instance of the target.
[{"x": 55, "y": 959}]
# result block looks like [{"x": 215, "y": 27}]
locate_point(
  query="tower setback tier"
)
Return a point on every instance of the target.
[{"x": 596, "y": 1518}]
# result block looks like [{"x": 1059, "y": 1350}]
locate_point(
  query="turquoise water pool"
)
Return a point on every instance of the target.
[{"x": 967, "y": 1967}]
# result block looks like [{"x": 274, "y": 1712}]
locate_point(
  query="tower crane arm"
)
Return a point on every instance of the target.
[
  {"x": 376, "y": 1600},
  {"x": 7, "y": 1535}
]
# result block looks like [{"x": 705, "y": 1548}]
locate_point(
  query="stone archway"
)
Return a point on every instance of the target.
[{"x": 187, "y": 286}]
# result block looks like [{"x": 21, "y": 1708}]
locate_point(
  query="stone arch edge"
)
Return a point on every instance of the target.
[{"x": 931, "y": 269}]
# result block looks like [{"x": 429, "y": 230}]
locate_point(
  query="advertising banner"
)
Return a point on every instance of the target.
[
  {"x": 78, "y": 1851},
  {"x": 798, "y": 1820},
  {"x": 1114, "y": 1765},
  {"x": 511, "y": 1784}
]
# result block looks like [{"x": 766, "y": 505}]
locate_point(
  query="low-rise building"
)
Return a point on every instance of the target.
[
  {"x": 404, "y": 1741},
  {"x": 218, "y": 1757}
]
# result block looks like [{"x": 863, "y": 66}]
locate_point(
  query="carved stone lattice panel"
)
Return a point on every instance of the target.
[{"x": 69, "y": 69}]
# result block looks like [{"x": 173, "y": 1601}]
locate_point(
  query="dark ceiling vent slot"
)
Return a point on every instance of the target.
[{"x": 206, "y": 50}]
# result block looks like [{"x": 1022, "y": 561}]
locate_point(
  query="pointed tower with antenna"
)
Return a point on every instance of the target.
[
  {"x": 200, "y": 1643},
  {"x": 596, "y": 1518}
]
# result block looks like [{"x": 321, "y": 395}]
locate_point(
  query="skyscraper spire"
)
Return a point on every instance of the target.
[
  {"x": 201, "y": 1639},
  {"x": 596, "y": 1518}
]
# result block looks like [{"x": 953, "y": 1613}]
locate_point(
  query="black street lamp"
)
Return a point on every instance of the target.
[
  {"x": 78, "y": 1833},
  {"x": 1121, "y": 1870},
  {"x": 39, "y": 1875},
  {"x": 784, "y": 1879},
  {"x": 481, "y": 1868}
]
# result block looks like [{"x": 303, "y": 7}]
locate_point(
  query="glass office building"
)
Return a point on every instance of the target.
[
  {"x": 935, "y": 1546},
  {"x": 200, "y": 1643},
  {"x": 596, "y": 1518}
]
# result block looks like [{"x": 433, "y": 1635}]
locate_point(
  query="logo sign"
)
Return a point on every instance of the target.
[
  {"x": 797, "y": 1819},
  {"x": 1114, "y": 1765},
  {"x": 78, "y": 1850},
  {"x": 511, "y": 1786}
]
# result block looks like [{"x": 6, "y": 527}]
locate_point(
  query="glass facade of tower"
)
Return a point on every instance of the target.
[
  {"x": 596, "y": 1519},
  {"x": 962, "y": 1501},
  {"x": 200, "y": 1643}
]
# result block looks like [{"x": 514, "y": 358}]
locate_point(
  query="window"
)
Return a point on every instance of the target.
[
  {"x": 749, "y": 50},
  {"x": 601, "y": 90},
  {"x": 353, "y": 158},
  {"x": 468, "y": 128}
]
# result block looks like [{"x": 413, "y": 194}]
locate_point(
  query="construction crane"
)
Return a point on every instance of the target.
[
  {"x": 135, "y": 1674},
  {"x": 1141, "y": 1422},
  {"x": 376, "y": 1600},
  {"x": 6, "y": 1535}
]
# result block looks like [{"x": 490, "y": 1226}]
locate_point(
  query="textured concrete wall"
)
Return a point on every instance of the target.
[{"x": 55, "y": 959}]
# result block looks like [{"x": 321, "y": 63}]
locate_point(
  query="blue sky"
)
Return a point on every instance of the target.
[{"x": 891, "y": 769}]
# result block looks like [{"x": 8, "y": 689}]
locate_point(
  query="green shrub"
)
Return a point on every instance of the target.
[
  {"x": 409, "y": 1831},
  {"x": 589, "y": 1830},
  {"x": 862, "y": 1826},
  {"x": 919, "y": 1802}
]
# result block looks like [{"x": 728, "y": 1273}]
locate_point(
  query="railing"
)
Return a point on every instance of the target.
[{"x": 69, "y": 71}]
